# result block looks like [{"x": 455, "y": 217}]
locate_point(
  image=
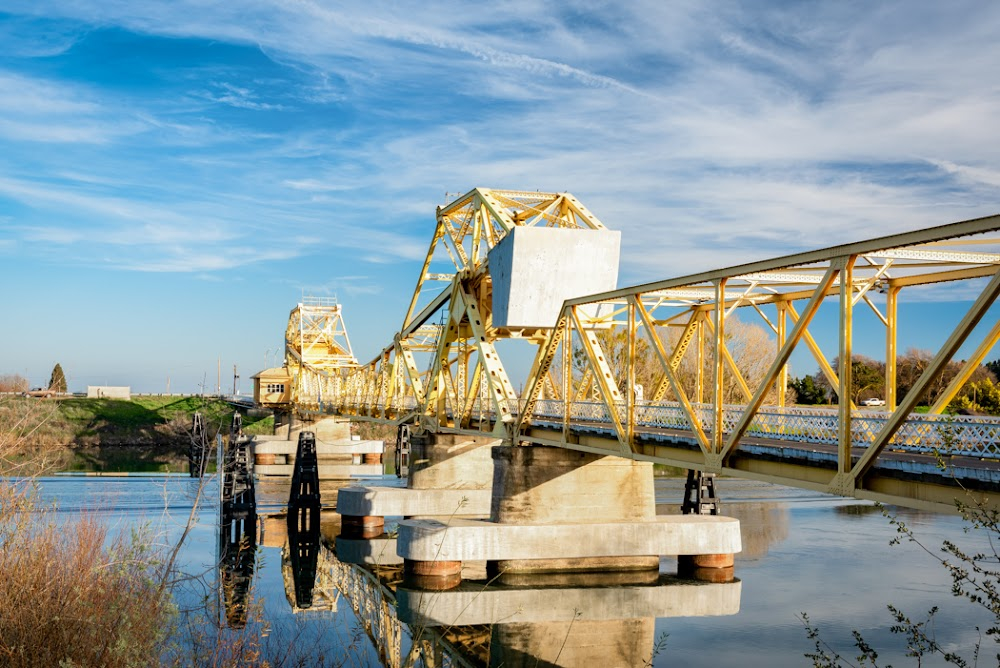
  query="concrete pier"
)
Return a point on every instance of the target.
[
  {"x": 450, "y": 476},
  {"x": 551, "y": 510},
  {"x": 558, "y": 510},
  {"x": 559, "y": 546}
]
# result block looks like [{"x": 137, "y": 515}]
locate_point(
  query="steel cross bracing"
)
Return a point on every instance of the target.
[
  {"x": 698, "y": 408},
  {"x": 371, "y": 593},
  {"x": 442, "y": 366},
  {"x": 317, "y": 350}
]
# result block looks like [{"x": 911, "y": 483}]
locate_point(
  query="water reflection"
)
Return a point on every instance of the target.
[
  {"x": 556, "y": 619},
  {"x": 237, "y": 559},
  {"x": 237, "y": 552},
  {"x": 303, "y": 519},
  {"x": 763, "y": 524}
]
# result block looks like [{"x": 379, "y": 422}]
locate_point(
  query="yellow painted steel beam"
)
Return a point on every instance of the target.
[
  {"x": 798, "y": 331},
  {"x": 605, "y": 380},
  {"x": 630, "y": 389},
  {"x": 782, "y": 336},
  {"x": 943, "y": 277},
  {"x": 846, "y": 336},
  {"x": 718, "y": 365},
  {"x": 544, "y": 358},
  {"x": 970, "y": 366},
  {"x": 964, "y": 228},
  {"x": 675, "y": 383},
  {"x": 501, "y": 390},
  {"x": 687, "y": 335},
  {"x": 891, "y": 333}
]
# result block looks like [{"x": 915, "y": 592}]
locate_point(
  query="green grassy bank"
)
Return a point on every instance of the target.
[{"x": 145, "y": 434}]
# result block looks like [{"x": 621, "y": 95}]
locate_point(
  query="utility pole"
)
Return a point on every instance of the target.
[
  {"x": 236, "y": 378},
  {"x": 218, "y": 382}
]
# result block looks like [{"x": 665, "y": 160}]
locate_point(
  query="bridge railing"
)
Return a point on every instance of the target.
[
  {"x": 972, "y": 436},
  {"x": 947, "y": 434}
]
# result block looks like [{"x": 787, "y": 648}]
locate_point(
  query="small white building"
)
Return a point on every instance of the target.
[{"x": 109, "y": 392}]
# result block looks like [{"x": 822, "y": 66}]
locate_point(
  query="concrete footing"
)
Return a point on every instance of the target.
[
  {"x": 612, "y": 543},
  {"x": 551, "y": 510},
  {"x": 338, "y": 459}
]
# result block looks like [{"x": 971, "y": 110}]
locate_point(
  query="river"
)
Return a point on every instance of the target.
[{"x": 803, "y": 552}]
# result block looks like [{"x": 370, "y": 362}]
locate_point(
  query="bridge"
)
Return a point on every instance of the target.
[{"x": 649, "y": 373}]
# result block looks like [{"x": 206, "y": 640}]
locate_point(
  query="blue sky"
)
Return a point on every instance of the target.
[{"x": 174, "y": 176}]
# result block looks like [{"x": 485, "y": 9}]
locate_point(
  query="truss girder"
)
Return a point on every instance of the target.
[
  {"x": 579, "y": 381},
  {"x": 317, "y": 350},
  {"x": 847, "y": 275}
]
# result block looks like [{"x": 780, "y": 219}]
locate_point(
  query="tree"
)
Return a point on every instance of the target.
[
  {"x": 57, "y": 381},
  {"x": 911, "y": 364},
  {"x": 981, "y": 396},
  {"x": 807, "y": 391},
  {"x": 13, "y": 383},
  {"x": 868, "y": 377}
]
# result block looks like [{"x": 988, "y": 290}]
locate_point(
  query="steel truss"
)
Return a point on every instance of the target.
[
  {"x": 463, "y": 385},
  {"x": 317, "y": 351},
  {"x": 442, "y": 368},
  {"x": 786, "y": 294}
]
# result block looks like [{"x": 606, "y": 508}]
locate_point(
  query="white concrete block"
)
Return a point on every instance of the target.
[
  {"x": 461, "y": 540},
  {"x": 472, "y": 603},
  {"x": 535, "y": 269},
  {"x": 342, "y": 447},
  {"x": 326, "y": 471},
  {"x": 406, "y": 502}
]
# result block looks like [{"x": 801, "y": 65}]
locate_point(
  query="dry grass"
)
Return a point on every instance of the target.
[
  {"x": 71, "y": 596},
  {"x": 22, "y": 421},
  {"x": 74, "y": 595}
]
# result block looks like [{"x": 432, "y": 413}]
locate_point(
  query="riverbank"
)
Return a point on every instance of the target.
[{"x": 142, "y": 434}]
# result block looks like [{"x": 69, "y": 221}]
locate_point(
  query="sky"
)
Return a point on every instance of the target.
[{"x": 176, "y": 176}]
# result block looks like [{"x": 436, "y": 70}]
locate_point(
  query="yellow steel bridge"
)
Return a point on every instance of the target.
[{"x": 647, "y": 372}]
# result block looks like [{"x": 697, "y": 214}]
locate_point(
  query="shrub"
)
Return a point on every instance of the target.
[{"x": 71, "y": 596}]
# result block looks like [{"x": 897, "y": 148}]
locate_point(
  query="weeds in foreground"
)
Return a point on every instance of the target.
[{"x": 71, "y": 594}]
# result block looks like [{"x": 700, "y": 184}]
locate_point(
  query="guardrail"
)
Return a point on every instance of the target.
[
  {"x": 948, "y": 434},
  {"x": 972, "y": 436}
]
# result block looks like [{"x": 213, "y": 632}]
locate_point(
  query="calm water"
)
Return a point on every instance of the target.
[{"x": 803, "y": 552}]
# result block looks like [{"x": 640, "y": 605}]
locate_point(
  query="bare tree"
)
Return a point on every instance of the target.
[{"x": 11, "y": 382}]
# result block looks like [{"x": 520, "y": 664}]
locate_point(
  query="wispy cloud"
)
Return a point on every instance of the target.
[
  {"x": 684, "y": 121},
  {"x": 241, "y": 98}
]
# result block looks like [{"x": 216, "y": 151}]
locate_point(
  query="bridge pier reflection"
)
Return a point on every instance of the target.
[
  {"x": 303, "y": 519},
  {"x": 237, "y": 525},
  {"x": 558, "y": 620}
]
